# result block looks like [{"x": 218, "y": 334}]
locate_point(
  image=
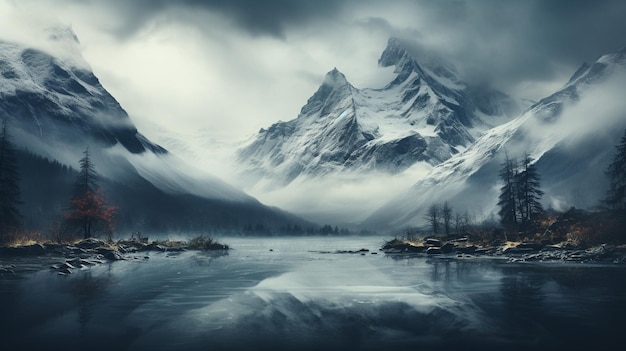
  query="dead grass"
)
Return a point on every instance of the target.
[{"x": 23, "y": 238}]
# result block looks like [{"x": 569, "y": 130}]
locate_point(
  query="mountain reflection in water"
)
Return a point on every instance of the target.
[{"x": 300, "y": 296}]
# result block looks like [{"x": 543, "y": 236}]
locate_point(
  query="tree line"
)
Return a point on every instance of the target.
[
  {"x": 88, "y": 212},
  {"x": 519, "y": 206},
  {"x": 444, "y": 220},
  {"x": 520, "y": 194}
]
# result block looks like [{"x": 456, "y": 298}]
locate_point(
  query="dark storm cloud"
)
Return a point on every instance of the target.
[
  {"x": 257, "y": 17},
  {"x": 509, "y": 42},
  {"x": 562, "y": 29},
  {"x": 505, "y": 43},
  {"x": 577, "y": 28}
]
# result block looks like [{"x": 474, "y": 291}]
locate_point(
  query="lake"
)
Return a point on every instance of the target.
[{"x": 297, "y": 294}]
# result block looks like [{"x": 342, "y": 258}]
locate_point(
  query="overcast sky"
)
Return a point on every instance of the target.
[{"x": 234, "y": 66}]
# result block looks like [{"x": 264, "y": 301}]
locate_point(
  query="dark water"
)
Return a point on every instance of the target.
[{"x": 297, "y": 297}]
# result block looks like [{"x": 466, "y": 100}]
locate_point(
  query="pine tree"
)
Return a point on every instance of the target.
[
  {"x": 616, "y": 195},
  {"x": 507, "y": 201},
  {"x": 10, "y": 218},
  {"x": 529, "y": 193},
  {"x": 87, "y": 180},
  {"x": 89, "y": 211}
]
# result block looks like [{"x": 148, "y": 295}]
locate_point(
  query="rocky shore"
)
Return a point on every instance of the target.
[
  {"x": 513, "y": 252},
  {"x": 92, "y": 251}
]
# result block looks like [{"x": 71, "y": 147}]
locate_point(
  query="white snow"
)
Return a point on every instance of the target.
[
  {"x": 30, "y": 74},
  {"x": 537, "y": 131}
]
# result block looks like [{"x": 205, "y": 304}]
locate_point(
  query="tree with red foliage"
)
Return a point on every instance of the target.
[{"x": 89, "y": 211}]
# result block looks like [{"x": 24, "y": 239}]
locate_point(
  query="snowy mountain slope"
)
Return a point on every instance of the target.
[
  {"x": 571, "y": 135},
  {"x": 426, "y": 114},
  {"x": 49, "y": 98},
  {"x": 56, "y": 107}
]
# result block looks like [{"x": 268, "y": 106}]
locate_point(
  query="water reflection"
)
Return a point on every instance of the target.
[
  {"x": 86, "y": 291},
  {"x": 292, "y": 298}
]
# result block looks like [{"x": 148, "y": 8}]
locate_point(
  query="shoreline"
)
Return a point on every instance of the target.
[
  {"x": 510, "y": 251},
  {"x": 65, "y": 258}
]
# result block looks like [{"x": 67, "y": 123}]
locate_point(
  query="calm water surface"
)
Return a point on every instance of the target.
[{"x": 291, "y": 293}]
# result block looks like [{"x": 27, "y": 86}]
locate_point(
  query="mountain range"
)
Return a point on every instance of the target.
[
  {"x": 373, "y": 158},
  {"x": 56, "y": 107},
  {"x": 426, "y": 114},
  {"x": 571, "y": 136},
  {"x": 460, "y": 134}
]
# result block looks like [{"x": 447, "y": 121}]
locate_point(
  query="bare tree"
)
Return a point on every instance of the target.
[
  {"x": 446, "y": 214},
  {"x": 433, "y": 216}
]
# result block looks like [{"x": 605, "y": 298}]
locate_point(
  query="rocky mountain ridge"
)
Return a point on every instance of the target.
[{"x": 426, "y": 114}]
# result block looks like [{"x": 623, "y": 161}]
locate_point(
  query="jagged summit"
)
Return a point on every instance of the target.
[
  {"x": 334, "y": 78},
  {"x": 571, "y": 134},
  {"x": 334, "y": 88},
  {"x": 426, "y": 114},
  {"x": 407, "y": 59},
  {"x": 393, "y": 54}
]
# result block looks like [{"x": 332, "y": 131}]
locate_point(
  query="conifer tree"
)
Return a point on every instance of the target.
[
  {"x": 10, "y": 218},
  {"x": 616, "y": 195},
  {"x": 89, "y": 211},
  {"x": 507, "y": 201},
  {"x": 529, "y": 192}
]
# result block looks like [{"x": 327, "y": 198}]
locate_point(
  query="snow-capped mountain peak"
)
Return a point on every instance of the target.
[
  {"x": 334, "y": 88},
  {"x": 56, "y": 108},
  {"x": 434, "y": 70},
  {"x": 571, "y": 135},
  {"x": 426, "y": 114},
  {"x": 335, "y": 79},
  {"x": 394, "y": 55}
]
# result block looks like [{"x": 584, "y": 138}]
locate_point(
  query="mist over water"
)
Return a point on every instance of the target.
[{"x": 296, "y": 293}]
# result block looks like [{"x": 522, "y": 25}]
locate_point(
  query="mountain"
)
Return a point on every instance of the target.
[
  {"x": 426, "y": 114},
  {"x": 570, "y": 134},
  {"x": 56, "y": 107}
]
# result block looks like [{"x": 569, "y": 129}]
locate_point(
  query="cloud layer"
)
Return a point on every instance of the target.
[{"x": 235, "y": 66}]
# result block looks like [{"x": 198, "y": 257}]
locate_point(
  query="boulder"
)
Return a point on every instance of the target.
[
  {"x": 65, "y": 271},
  {"x": 483, "y": 251},
  {"x": 110, "y": 254},
  {"x": 91, "y": 243},
  {"x": 433, "y": 251},
  {"x": 447, "y": 248},
  {"x": 530, "y": 245},
  {"x": 154, "y": 247},
  {"x": 514, "y": 250},
  {"x": 398, "y": 246},
  {"x": 433, "y": 242}
]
